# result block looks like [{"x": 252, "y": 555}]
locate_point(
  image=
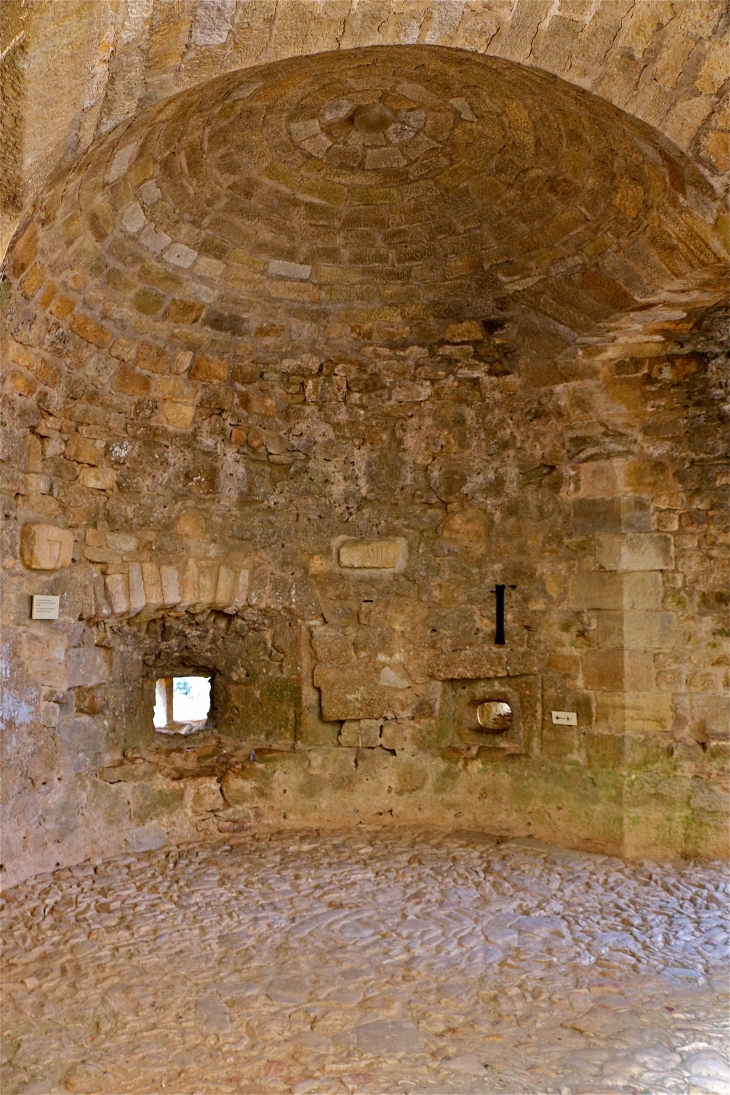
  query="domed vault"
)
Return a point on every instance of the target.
[{"x": 401, "y": 186}]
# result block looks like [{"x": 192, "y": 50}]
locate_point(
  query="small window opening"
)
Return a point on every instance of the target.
[
  {"x": 495, "y": 716},
  {"x": 182, "y": 704}
]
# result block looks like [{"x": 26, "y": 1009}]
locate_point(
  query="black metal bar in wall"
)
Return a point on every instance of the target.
[{"x": 499, "y": 639}]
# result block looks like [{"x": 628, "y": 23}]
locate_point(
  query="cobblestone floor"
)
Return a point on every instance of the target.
[{"x": 367, "y": 962}]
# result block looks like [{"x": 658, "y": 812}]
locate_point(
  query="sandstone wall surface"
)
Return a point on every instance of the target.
[{"x": 304, "y": 361}]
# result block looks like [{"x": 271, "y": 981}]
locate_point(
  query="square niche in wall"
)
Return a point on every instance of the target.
[
  {"x": 182, "y": 704},
  {"x": 500, "y": 713}
]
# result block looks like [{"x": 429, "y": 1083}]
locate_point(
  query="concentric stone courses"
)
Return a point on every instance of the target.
[{"x": 367, "y": 962}]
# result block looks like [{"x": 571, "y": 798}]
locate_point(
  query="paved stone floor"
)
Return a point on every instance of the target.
[{"x": 367, "y": 962}]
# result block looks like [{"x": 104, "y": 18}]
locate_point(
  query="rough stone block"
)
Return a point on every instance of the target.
[
  {"x": 393, "y": 678},
  {"x": 369, "y": 733},
  {"x": 152, "y": 584},
  {"x": 137, "y": 598},
  {"x": 595, "y": 589},
  {"x": 393, "y": 736},
  {"x": 324, "y": 191},
  {"x": 603, "y": 670},
  {"x": 153, "y": 240},
  {"x": 87, "y": 328},
  {"x": 635, "y": 551},
  {"x": 207, "y": 582},
  {"x": 124, "y": 349},
  {"x": 639, "y": 671},
  {"x": 648, "y": 630},
  {"x": 90, "y": 701},
  {"x": 209, "y": 268},
  {"x": 183, "y": 311},
  {"x": 278, "y": 268},
  {"x": 180, "y": 255},
  {"x": 306, "y": 365},
  {"x": 360, "y": 733},
  {"x": 294, "y": 290},
  {"x": 225, "y": 585},
  {"x": 240, "y": 592},
  {"x": 413, "y": 391},
  {"x": 177, "y": 388},
  {"x": 567, "y": 664},
  {"x": 98, "y": 478},
  {"x": 206, "y": 367},
  {"x": 190, "y": 583},
  {"x": 133, "y": 218},
  {"x": 50, "y": 672},
  {"x": 609, "y": 628},
  {"x": 468, "y": 331},
  {"x": 256, "y": 402},
  {"x": 150, "y": 802},
  {"x": 371, "y": 554},
  {"x": 635, "y": 712},
  {"x": 599, "y": 478},
  {"x": 643, "y": 589},
  {"x": 239, "y": 788},
  {"x": 558, "y": 742},
  {"x": 604, "y": 750},
  {"x": 170, "y": 579},
  {"x": 711, "y": 715},
  {"x": 203, "y": 796},
  {"x": 148, "y": 301},
  {"x": 83, "y": 450},
  {"x": 22, "y": 384},
  {"x": 87, "y": 665},
  {"x": 350, "y": 734},
  {"x": 412, "y": 776},
  {"x": 130, "y": 382},
  {"x": 49, "y": 714},
  {"x": 120, "y": 163},
  {"x": 348, "y": 694},
  {"x": 33, "y": 280},
  {"x": 120, "y": 541},
  {"x": 628, "y": 513},
  {"x": 146, "y": 838},
  {"x": 21, "y": 355},
  {"x": 45, "y": 547},
  {"x": 117, "y": 591},
  {"x": 469, "y": 664},
  {"x": 129, "y": 771},
  {"x": 25, "y": 250},
  {"x": 152, "y": 358}
]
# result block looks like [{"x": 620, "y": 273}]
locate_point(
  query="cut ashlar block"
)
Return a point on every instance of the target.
[{"x": 45, "y": 547}]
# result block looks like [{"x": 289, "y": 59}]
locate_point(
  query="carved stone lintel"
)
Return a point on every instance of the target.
[{"x": 372, "y": 554}]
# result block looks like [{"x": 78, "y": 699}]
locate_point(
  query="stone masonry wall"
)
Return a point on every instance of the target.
[{"x": 301, "y": 364}]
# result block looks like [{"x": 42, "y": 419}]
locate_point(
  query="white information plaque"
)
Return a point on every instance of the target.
[
  {"x": 45, "y": 608},
  {"x": 564, "y": 718}
]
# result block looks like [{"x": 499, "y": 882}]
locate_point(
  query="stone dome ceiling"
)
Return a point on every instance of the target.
[{"x": 406, "y": 187}]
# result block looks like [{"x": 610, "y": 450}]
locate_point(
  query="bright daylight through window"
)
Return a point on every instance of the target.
[{"x": 182, "y": 704}]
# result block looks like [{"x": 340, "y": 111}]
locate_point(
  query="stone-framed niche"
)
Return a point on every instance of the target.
[{"x": 466, "y": 706}]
